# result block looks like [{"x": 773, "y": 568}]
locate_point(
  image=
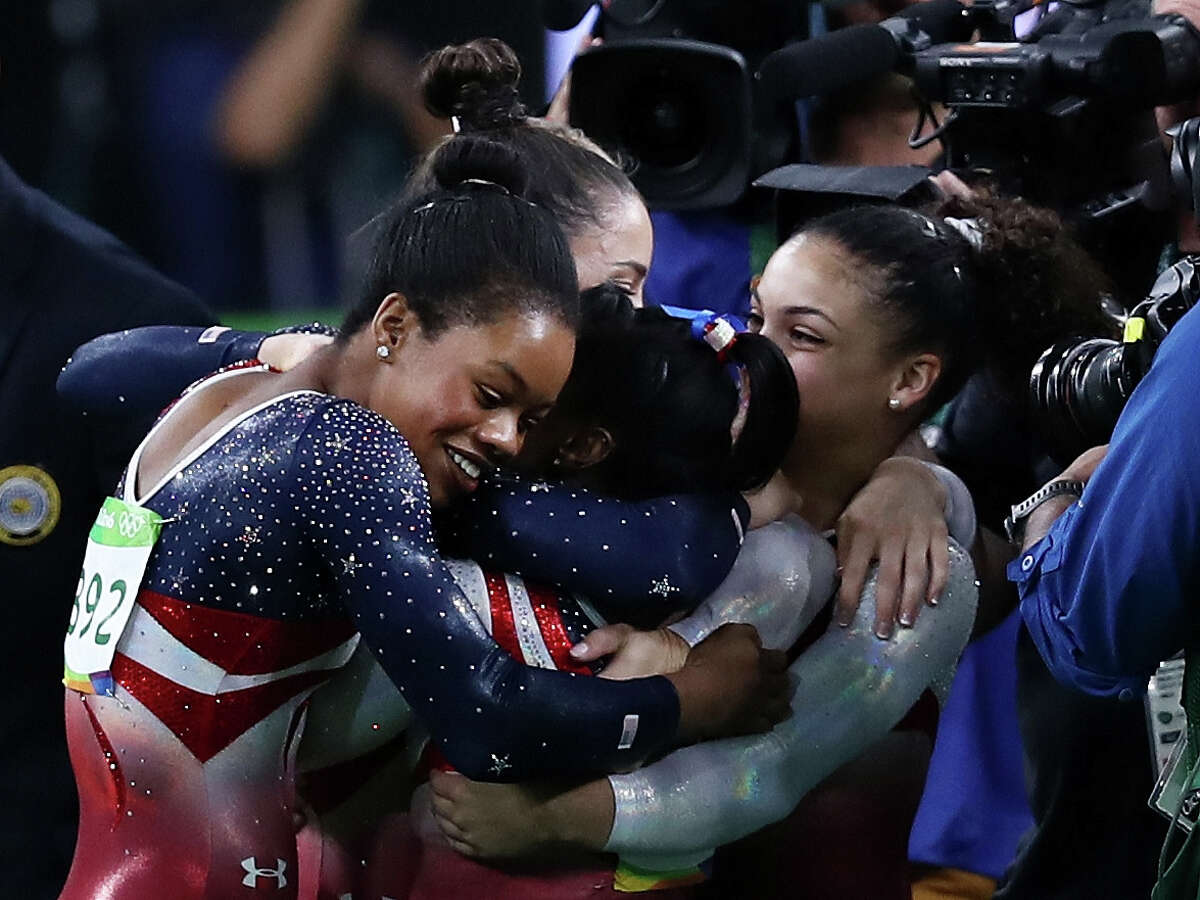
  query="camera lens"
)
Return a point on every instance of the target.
[
  {"x": 1078, "y": 390},
  {"x": 666, "y": 127},
  {"x": 677, "y": 111}
]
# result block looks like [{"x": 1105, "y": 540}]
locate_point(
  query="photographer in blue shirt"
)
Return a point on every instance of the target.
[{"x": 1108, "y": 580}]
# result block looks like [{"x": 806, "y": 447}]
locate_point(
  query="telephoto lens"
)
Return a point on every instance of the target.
[
  {"x": 1079, "y": 386},
  {"x": 1078, "y": 390}
]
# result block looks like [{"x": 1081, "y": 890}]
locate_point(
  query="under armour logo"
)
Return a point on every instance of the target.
[{"x": 253, "y": 872}]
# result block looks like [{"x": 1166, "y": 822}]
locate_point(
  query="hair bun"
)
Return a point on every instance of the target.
[
  {"x": 475, "y": 82},
  {"x": 470, "y": 158}
]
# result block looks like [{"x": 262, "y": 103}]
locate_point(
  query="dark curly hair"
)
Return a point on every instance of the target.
[
  {"x": 1037, "y": 283},
  {"x": 998, "y": 304}
]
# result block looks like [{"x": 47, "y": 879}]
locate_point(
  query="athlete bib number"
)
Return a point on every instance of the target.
[{"x": 118, "y": 550}]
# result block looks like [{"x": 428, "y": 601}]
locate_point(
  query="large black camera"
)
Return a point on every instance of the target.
[
  {"x": 1066, "y": 119},
  {"x": 671, "y": 91},
  {"x": 1055, "y": 107},
  {"x": 1079, "y": 387}
]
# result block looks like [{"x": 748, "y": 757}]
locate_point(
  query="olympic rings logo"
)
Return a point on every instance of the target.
[{"x": 129, "y": 525}]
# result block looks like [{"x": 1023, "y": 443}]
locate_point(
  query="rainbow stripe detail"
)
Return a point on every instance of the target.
[
  {"x": 96, "y": 683},
  {"x": 629, "y": 879}
]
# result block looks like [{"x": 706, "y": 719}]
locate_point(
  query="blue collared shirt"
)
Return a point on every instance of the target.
[{"x": 1112, "y": 588}]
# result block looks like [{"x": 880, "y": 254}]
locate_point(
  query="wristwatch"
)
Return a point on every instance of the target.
[{"x": 1014, "y": 525}]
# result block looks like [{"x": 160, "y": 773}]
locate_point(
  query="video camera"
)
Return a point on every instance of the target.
[
  {"x": 671, "y": 91},
  {"x": 1054, "y": 103}
]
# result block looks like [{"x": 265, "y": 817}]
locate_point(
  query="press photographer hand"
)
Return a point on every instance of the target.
[{"x": 1043, "y": 517}]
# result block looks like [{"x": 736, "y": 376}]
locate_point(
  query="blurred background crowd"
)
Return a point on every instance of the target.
[{"x": 233, "y": 145}]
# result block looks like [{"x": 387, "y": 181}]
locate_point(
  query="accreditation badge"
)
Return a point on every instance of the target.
[
  {"x": 1176, "y": 794},
  {"x": 30, "y": 505},
  {"x": 1176, "y": 791},
  {"x": 118, "y": 551}
]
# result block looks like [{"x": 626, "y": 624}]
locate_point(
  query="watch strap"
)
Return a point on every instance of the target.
[{"x": 1014, "y": 525}]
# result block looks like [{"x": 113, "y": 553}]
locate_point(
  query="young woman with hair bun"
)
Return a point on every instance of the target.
[
  {"x": 689, "y": 417},
  {"x": 651, "y": 408},
  {"x": 474, "y": 85}
]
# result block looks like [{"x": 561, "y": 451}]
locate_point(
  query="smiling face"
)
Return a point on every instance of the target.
[
  {"x": 466, "y": 399},
  {"x": 619, "y": 251},
  {"x": 814, "y": 302}
]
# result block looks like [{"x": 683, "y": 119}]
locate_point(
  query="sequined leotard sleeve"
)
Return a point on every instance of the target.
[
  {"x": 366, "y": 516},
  {"x": 850, "y": 688},
  {"x": 637, "y": 561},
  {"x": 785, "y": 574},
  {"x": 107, "y": 376}
]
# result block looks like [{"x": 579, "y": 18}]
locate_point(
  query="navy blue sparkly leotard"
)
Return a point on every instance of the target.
[
  {"x": 314, "y": 508},
  {"x": 298, "y": 524}
]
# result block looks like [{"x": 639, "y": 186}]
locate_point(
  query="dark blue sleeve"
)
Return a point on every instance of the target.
[
  {"x": 137, "y": 372},
  {"x": 493, "y": 718},
  {"x": 1111, "y": 589},
  {"x": 637, "y": 561}
]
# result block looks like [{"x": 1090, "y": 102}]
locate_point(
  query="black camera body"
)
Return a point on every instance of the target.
[
  {"x": 1137, "y": 63},
  {"x": 1063, "y": 116},
  {"x": 671, "y": 92},
  {"x": 1066, "y": 119},
  {"x": 1079, "y": 387},
  {"x": 653, "y": 103}
]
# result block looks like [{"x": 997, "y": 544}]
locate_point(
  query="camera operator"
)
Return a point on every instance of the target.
[
  {"x": 1105, "y": 583},
  {"x": 1108, "y": 575},
  {"x": 1081, "y": 649}
]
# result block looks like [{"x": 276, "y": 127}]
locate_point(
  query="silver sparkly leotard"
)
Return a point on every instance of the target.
[{"x": 850, "y": 689}]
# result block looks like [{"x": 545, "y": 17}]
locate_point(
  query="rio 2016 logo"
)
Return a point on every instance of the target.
[{"x": 128, "y": 525}]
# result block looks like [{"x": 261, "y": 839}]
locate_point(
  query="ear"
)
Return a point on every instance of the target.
[
  {"x": 586, "y": 447},
  {"x": 394, "y": 322},
  {"x": 915, "y": 379}
]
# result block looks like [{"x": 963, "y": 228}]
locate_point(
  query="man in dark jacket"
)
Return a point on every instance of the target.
[{"x": 62, "y": 282}]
